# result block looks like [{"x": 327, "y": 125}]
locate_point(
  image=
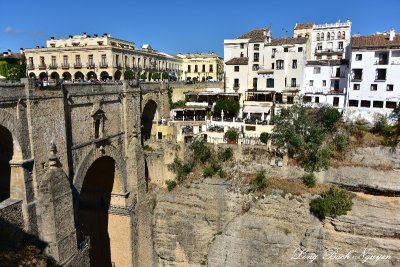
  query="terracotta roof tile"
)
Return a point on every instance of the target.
[
  {"x": 380, "y": 40},
  {"x": 305, "y": 25},
  {"x": 288, "y": 41},
  {"x": 238, "y": 61},
  {"x": 255, "y": 36}
]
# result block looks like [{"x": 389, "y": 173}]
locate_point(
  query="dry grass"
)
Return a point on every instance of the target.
[
  {"x": 337, "y": 162},
  {"x": 395, "y": 201}
]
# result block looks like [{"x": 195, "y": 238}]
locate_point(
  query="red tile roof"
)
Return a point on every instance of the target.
[
  {"x": 255, "y": 36},
  {"x": 238, "y": 61},
  {"x": 379, "y": 40},
  {"x": 304, "y": 25}
]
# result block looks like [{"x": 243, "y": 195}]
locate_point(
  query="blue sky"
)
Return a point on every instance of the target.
[{"x": 175, "y": 26}]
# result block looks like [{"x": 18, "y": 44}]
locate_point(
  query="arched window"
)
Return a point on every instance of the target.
[
  {"x": 332, "y": 36},
  {"x": 343, "y": 35},
  {"x": 339, "y": 34},
  {"x": 328, "y": 36},
  {"x": 318, "y": 37},
  {"x": 322, "y": 36}
]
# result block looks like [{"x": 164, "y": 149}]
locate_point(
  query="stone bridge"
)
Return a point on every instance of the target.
[{"x": 71, "y": 159}]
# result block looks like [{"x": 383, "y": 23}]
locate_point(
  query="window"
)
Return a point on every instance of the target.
[
  {"x": 273, "y": 52},
  {"x": 306, "y": 99},
  {"x": 53, "y": 61},
  {"x": 390, "y": 104},
  {"x": 318, "y": 37},
  {"x": 380, "y": 75},
  {"x": 323, "y": 82},
  {"x": 339, "y": 34},
  {"x": 322, "y": 36},
  {"x": 336, "y": 101},
  {"x": 377, "y": 104},
  {"x": 343, "y": 35},
  {"x": 311, "y": 83},
  {"x": 31, "y": 62},
  {"x": 340, "y": 45},
  {"x": 300, "y": 49},
  {"x": 319, "y": 46},
  {"x": 317, "y": 99},
  {"x": 382, "y": 59},
  {"x": 294, "y": 64},
  {"x": 65, "y": 60},
  {"x": 90, "y": 60},
  {"x": 256, "y": 57},
  {"x": 236, "y": 83},
  {"x": 290, "y": 99},
  {"x": 270, "y": 83},
  {"x": 236, "y": 68},
  {"x": 317, "y": 70},
  {"x": 356, "y": 86},
  {"x": 103, "y": 60},
  {"x": 389, "y": 87},
  {"x": 241, "y": 45},
  {"x": 293, "y": 82},
  {"x": 365, "y": 103},
  {"x": 189, "y": 68},
  {"x": 196, "y": 69},
  {"x": 279, "y": 64},
  {"x": 353, "y": 103},
  {"x": 78, "y": 60},
  {"x": 272, "y": 65},
  {"x": 374, "y": 87},
  {"x": 357, "y": 74},
  {"x": 42, "y": 61},
  {"x": 255, "y": 83},
  {"x": 285, "y": 49},
  {"x": 328, "y": 57},
  {"x": 241, "y": 54},
  {"x": 256, "y": 47},
  {"x": 358, "y": 57},
  {"x": 328, "y": 36},
  {"x": 203, "y": 68},
  {"x": 211, "y": 69},
  {"x": 255, "y": 67}
]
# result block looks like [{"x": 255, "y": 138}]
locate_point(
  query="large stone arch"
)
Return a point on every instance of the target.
[
  {"x": 8, "y": 121},
  {"x": 150, "y": 114},
  {"x": 91, "y": 157}
]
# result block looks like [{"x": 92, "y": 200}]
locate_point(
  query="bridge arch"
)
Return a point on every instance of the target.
[{"x": 148, "y": 118}]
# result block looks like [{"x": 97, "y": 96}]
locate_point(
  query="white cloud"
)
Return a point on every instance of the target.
[{"x": 10, "y": 30}]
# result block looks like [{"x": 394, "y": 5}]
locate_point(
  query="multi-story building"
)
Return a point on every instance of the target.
[
  {"x": 375, "y": 80},
  {"x": 85, "y": 57},
  {"x": 202, "y": 66},
  {"x": 243, "y": 57},
  {"x": 326, "y": 71}
]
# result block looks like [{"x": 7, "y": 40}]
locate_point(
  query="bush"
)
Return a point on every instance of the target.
[
  {"x": 341, "y": 142},
  {"x": 264, "y": 137},
  {"x": 231, "y": 134},
  {"x": 309, "y": 180},
  {"x": 330, "y": 117},
  {"x": 208, "y": 172},
  {"x": 259, "y": 182},
  {"x": 170, "y": 184},
  {"x": 381, "y": 126},
  {"x": 200, "y": 150},
  {"x": 334, "y": 202},
  {"x": 225, "y": 154},
  {"x": 148, "y": 148},
  {"x": 180, "y": 168},
  {"x": 230, "y": 107},
  {"x": 358, "y": 129},
  {"x": 222, "y": 173}
]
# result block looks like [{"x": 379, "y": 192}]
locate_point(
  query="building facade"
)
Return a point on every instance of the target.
[
  {"x": 85, "y": 57},
  {"x": 202, "y": 67},
  {"x": 375, "y": 80}
]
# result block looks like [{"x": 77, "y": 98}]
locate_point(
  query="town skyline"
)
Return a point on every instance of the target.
[{"x": 175, "y": 28}]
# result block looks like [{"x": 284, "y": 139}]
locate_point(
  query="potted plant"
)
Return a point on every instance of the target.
[{"x": 231, "y": 136}]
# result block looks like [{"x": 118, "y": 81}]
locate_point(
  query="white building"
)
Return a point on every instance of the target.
[
  {"x": 325, "y": 83},
  {"x": 375, "y": 76}
]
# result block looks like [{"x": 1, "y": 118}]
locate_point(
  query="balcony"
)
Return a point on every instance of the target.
[
  {"x": 103, "y": 65},
  {"x": 381, "y": 62},
  {"x": 78, "y": 65},
  {"x": 329, "y": 51},
  {"x": 338, "y": 75},
  {"x": 292, "y": 87},
  {"x": 53, "y": 66},
  {"x": 65, "y": 66},
  {"x": 90, "y": 65},
  {"x": 42, "y": 66},
  {"x": 30, "y": 66}
]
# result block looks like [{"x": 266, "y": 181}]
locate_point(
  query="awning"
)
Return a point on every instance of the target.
[{"x": 256, "y": 109}]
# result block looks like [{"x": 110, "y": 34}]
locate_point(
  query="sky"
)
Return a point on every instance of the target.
[{"x": 178, "y": 26}]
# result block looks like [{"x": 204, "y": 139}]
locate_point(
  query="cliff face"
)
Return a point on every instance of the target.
[{"x": 206, "y": 223}]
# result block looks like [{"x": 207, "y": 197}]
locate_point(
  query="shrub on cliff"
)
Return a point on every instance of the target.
[
  {"x": 180, "y": 168},
  {"x": 200, "y": 150},
  {"x": 309, "y": 180},
  {"x": 225, "y": 154},
  {"x": 334, "y": 202},
  {"x": 170, "y": 184},
  {"x": 259, "y": 182},
  {"x": 264, "y": 137}
]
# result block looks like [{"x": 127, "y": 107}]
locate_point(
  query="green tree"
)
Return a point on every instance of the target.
[
  {"x": 259, "y": 182},
  {"x": 230, "y": 107},
  {"x": 165, "y": 75},
  {"x": 231, "y": 134},
  {"x": 200, "y": 150},
  {"x": 334, "y": 202},
  {"x": 156, "y": 76},
  {"x": 143, "y": 76},
  {"x": 129, "y": 75},
  {"x": 264, "y": 137}
]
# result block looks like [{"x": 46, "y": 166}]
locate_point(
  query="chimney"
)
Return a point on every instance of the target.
[
  {"x": 52, "y": 38},
  {"x": 392, "y": 34},
  {"x": 21, "y": 50}
]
